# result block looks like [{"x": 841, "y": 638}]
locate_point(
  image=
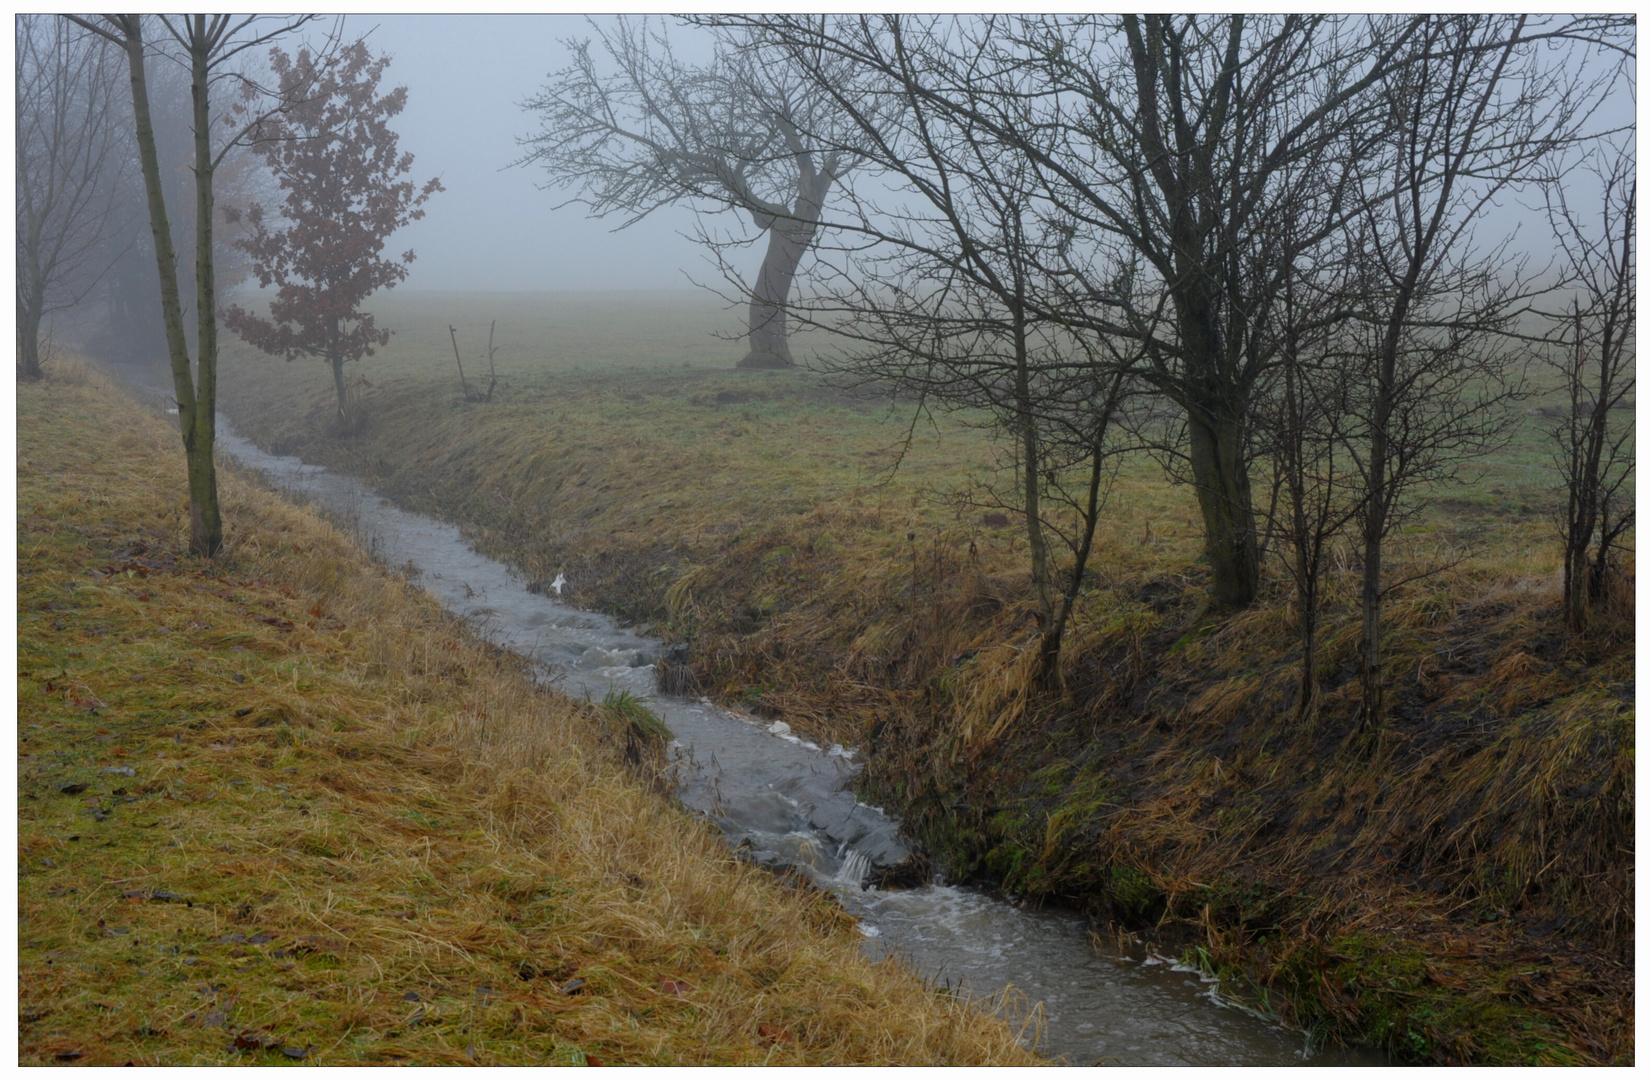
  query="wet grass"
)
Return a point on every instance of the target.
[
  {"x": 279, "y": 807},
  {"x": 1487, "y": 828}
]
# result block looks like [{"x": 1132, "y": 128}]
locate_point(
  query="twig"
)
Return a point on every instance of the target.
[{"x": 455, "y": 335}]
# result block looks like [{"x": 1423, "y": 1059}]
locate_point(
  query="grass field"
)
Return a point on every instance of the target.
[
  {"x": 278, "y": 807},
  {"x": 1485, "y": 829}
]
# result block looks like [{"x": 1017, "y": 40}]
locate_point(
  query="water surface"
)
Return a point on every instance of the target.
[{"x": 783, "y": 800}]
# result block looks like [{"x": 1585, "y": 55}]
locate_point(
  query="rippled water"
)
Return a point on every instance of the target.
[{"x": 784, "y": 800}]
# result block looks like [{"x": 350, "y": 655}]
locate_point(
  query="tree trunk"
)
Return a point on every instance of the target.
[
  {"x": 770, "y": 346},
  {"x": 337, "y": 361},
  {"x": 1216, "y": 432},
  {"x": 1375, "y": 514},
  {"x": 205, "y": 528},
  {"x": 1582, "y": 497},
  {"x": 28, "y": 337},
  {"x": 1307, "y": 706},
  {"x": 206, "y": 534}
]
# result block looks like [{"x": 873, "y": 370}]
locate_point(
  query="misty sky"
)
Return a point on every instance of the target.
[{"x": 493, "y": 229}]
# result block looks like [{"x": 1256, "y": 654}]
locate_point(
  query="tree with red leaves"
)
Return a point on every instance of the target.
[{"x": 335, "y": 157}]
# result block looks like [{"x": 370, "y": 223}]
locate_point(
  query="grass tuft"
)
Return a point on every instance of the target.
[{"x": 279, "y": 806}]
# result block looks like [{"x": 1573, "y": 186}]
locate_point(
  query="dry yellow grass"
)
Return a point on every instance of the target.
[
  {"x": 1167, "y": 782},
  {"x": 280, "y": 806}
]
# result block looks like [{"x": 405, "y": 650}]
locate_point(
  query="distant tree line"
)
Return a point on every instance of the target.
[{"x": 1259, "y": 246}]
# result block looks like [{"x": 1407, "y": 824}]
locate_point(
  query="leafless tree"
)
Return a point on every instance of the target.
[
  {"x": 1478, "y": 108},
  {"x": 207, "y": 45},
  {"x": 70, "y": 159},
  {"x": 1187, "y": 140},
  {"x": 937, "y": 272},
  {"x": 1302, "y": 420},
  {"x": 1594, "y": 355},
  {"x": 731, "y": 134}
]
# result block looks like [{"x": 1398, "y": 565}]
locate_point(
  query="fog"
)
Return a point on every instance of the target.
[{"x": 493, "y": 229}]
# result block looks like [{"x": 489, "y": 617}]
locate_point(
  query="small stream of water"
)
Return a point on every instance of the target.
[{"x": 784, "y": 800}]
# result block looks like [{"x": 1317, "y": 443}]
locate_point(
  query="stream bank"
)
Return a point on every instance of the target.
[
  {"x": 787, "y": 803},
  {"x": 278, "y": 806},
  {"x": 1456, "y": 889}
]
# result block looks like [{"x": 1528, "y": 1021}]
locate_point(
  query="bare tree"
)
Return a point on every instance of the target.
[
  {"x": 70, "y": 160},
  {"x": 1595, "y": 357},
  {"x": 1173, "y": 145},
  {"x": 207, "y": 44},
  {"x": 1478, "y": 108},
  {"x": 1303, "y": 422},
  {"x": 730, "y": 133},
  {"x": 1191, "y": 140},
  {"x": 938, "y": 273}
]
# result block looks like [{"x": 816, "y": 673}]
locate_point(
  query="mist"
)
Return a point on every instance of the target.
[{"x": 494, "y": 230}]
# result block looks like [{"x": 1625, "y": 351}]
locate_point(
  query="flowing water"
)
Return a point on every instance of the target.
[{"x": 785, "y": 801}]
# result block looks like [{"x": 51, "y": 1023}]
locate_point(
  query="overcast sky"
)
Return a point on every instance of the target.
[{"x": 493, "y": 229}]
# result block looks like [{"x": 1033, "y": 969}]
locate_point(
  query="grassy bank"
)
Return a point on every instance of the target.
[
  {"x": 279, "y": 807},
  {"x": 1455, "y": 887}
]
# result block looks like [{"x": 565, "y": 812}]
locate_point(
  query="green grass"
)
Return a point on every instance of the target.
[{"x": 755, "y": 516}]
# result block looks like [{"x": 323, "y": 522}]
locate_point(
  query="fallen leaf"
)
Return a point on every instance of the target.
[
  {"x": 674, "y": 986},
  {"x": 773, "y": 1034},
  {"x": 253, "y": 1040}
]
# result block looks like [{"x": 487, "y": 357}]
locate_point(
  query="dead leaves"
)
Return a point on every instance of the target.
[{"x": 255, "y": 1039}]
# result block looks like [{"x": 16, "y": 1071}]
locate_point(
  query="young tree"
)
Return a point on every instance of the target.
[
  {"x": 1477, "y": 110},
  {"x": 1302, "y": 425},
  {"x": 732, "y": 133},
  {"x": 70, "y": 165},
  {"x": 208, "y": 43},
  {"x": 1595, "y": 357},
  {"x": 333, "y": 153}
]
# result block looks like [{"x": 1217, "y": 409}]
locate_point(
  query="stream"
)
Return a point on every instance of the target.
[{"x": 782, "y": 800}]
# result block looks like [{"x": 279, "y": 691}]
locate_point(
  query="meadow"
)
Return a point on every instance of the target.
[
  {"x": 760, "y": 519},
  {"x": 278, "y": 807}
]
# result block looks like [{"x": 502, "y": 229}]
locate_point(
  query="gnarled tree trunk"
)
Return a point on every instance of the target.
[
  {"x": 29, "y": 307},
  {"x": 789, "y": 237},
  {"x": 770, "y": 346}
]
